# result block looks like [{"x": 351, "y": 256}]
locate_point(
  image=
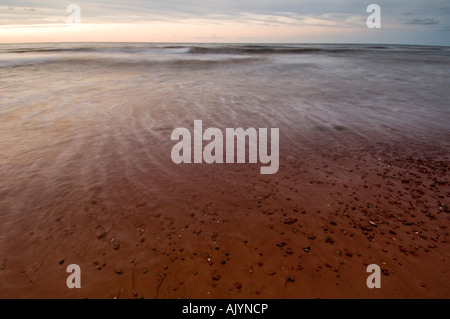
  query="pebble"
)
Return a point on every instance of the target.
[
  {"x": 289, "y": 221},
  {"x": 290, "y": 278},
  {"x": 97, "y": 266},
  {"x": 101, "y": 234},
  {"x": 216, "y": 277},
  {"x": 365, "y": 227},
  {"x": 311, "y": 236}
]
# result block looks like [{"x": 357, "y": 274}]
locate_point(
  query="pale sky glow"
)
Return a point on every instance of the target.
[{"x": 402, "y": 21}]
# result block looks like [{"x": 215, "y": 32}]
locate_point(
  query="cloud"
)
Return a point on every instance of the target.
[
  {"x": 426, "y": 21},
  {"x": 407, "y": 17}
]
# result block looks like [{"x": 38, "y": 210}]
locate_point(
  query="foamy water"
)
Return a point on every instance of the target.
[{"x": 78, "y": 117}]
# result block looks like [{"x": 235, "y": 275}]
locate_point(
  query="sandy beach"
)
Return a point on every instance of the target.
[{"x": 86, "y": 178}]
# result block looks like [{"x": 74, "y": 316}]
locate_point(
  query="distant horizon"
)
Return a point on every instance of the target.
[{"x": 258, "y": 43}]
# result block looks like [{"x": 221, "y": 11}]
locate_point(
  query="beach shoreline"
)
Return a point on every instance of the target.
[{"x": 87, "y": 178}]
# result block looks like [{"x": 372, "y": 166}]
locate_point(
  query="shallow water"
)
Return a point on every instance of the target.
[{"x": 73, "y": 116}]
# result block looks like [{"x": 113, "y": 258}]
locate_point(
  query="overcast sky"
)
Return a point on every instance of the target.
[{"x": 335, "y": 21}]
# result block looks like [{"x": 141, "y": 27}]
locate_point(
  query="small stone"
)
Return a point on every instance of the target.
[
  {"x": 216, "y": 277},
  {"x": 237, "y": 285},
  {"x": 365, "y": 227},
  {"x": 101, "y": 233},
  {"x": 348, "y": 253},
  {"x": 289, "y": 251},
  {"x": 290, "y": 278},
  {"x": 118, "y": 271},
  {"x": 97, "y": 265},
  {"x": 373, "y": 223},
  {"x": 61, "y": 262},
  {"x": 289, "y": 221},
  {"x": 311, "y": 236},
  {"x": 307, "y": 249}
]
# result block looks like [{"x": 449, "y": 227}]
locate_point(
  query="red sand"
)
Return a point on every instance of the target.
[{"x": 225, "y": 231}]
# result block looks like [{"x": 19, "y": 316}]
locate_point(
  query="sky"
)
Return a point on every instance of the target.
[{"x": 232, "y": 21}]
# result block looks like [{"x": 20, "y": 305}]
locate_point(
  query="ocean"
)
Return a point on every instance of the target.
[{"x": 386, "y": 88}]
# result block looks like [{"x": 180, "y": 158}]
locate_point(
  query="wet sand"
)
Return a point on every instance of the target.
[{"x": 225, "y": 231}]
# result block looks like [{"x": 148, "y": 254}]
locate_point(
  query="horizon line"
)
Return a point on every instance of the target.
[{"x": 210, "y": 42}]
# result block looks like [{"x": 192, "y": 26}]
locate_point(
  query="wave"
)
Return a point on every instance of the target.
[
  {"x": 199, "y": 53},
  {"x": 193, "y": 48},
  {"x": 263, "y": 50}
]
